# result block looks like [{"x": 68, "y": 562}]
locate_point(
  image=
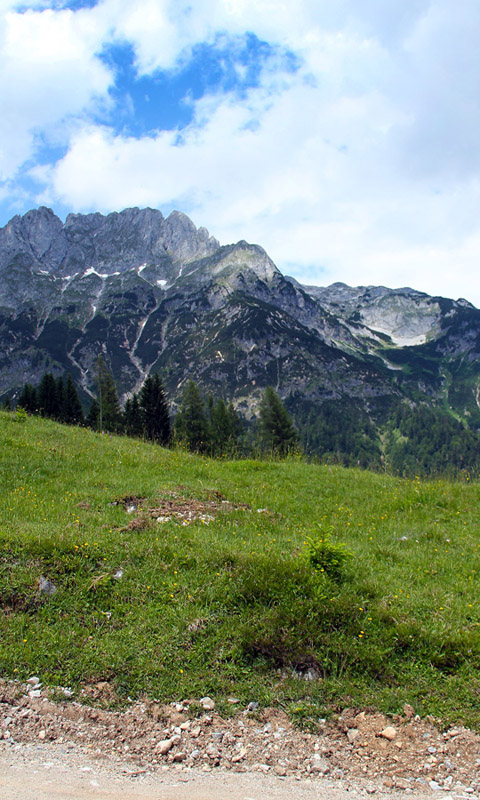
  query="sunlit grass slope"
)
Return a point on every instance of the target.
[{"x": 232, "y": 606}]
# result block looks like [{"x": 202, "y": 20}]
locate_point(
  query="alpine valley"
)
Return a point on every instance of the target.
[{"x": 152, "y": 294}]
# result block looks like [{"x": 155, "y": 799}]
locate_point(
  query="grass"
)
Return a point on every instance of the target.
[{"x": 235, "y": 606}]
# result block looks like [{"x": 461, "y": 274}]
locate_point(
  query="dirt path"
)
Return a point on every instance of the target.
[
  {"x": 55, "y": 748},
  {"x": 53, "y": 772}
]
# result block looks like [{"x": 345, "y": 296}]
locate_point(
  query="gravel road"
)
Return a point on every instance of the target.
[
  {"x": 62, "y": 748},
  {"x": 56, "y": 772}
]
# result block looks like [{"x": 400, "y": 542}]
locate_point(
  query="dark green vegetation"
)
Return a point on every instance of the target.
[
  {"x": 245, "y": 602},
  {"x": 411, "y": 438}
]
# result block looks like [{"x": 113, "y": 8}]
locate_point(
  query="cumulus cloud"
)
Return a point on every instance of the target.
[
  {"x": 50, "y": 71},
  {"x": 361, "y": 164}
]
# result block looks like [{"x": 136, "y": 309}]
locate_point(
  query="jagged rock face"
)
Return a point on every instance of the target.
[
  {"x": 132, "y": 239},
  {"x": 150, "y": 293}
]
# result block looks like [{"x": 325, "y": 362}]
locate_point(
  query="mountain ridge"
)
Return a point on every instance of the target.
[{"x": 150, "y": 293}]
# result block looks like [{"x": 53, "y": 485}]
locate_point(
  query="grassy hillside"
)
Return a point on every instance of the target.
[{"x": 180, "y": 576}]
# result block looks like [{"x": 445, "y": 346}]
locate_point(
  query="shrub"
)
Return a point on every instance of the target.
[{"x": 327, "y": 556}]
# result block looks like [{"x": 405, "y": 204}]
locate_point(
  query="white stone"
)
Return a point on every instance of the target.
[
  {"x": 389, "y": 733},
  {"x": 164, "y": 747}
]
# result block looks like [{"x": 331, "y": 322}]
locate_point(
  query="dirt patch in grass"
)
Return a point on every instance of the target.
[{"x": 174, "y": 506}]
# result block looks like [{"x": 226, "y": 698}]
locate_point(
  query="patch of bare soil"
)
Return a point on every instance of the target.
[
  {"x": 357, "y": 748},
  {"x": 174, "y": 506}
]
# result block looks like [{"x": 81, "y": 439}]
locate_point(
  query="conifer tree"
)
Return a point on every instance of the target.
[
  {"x": 93, "y": 416},
  {"x": 133, "y": 417},
  {"x": 72, "y": 412},
  {"x": 109, "y": 407},
  {"x": 154, "y": 409},
  {"x": 225, "y": 428},
  {"x": 28, "y": 399},
  {"x": 277, "y": 432},
  {"x": 49, "y": 404},
  {"x": 191, "y": 423},
  {"x": 60, "y": 388}
]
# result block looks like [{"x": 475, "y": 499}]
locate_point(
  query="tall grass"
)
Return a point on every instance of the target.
[{"x": 235, "y": 605}]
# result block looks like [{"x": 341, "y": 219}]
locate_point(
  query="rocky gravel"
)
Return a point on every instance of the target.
[{"x": 356, "y": 748}]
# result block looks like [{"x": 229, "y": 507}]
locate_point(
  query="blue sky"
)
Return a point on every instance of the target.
[{"x": 342, "y": 136}]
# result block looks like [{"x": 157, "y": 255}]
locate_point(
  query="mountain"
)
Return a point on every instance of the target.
[{"x": 154, "y": 293}]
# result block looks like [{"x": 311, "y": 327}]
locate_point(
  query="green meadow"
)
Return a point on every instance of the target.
[{"x": 229, "y": 601}]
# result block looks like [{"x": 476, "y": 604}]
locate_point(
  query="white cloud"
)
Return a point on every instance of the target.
[
  {"x": 365, "y": 162},
  {"x": 50, "y": 71}
]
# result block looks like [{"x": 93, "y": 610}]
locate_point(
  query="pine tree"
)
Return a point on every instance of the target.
[
  {"x": 60, "y": 387},
  {"x": 109, "y": 414},
  {"x": 277, "y": 432},
  {"x": 7, "y": 404},
  {"x": 93, "y": 416},
  {"x": 191, "y": 423},
  {"x": 28, "y": 399},
  {"x": 154, "y": 408},
  {"x": 72, "y": 412},
  {"x": 133, "y": 417},
  {"x": 225, "y": 428},
  {"x": 49, "y": 403}
]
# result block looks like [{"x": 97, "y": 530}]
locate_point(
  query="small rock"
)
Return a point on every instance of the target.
[
  {"x": 280, "y": 770},
  {"x": 434, "y": 786},
  {"x": 33, "y": 681},
  {"x": 233, "y": 700},
  {"x": 195, "y": 754},
  {"x": 42, "y": 734},
  {"x": 35, "y": 693},
  {"x": 212, "y": 752},
  {"x": 46, "y": 586},
  {"x": 118, "y": 575},
  {"x": 389, "y": 733},
  {"x": 253, "y": 706},
  {"x": 164, "y": 746},
  {"x": 195, "y": 732},
  {"x": 352, "y": 734},
  {"x": 409, "y": 711},
  {"x": 320, "y": 767},
  {"x": 179, "y": 757},
  {"x": 239, "y": 756},
  {"x": 207, "y": 703}
]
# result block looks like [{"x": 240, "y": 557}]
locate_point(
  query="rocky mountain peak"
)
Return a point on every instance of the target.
[
  {"x": 32, "y": 234},
  {"x": 129, "y": 239},
  {"x": 180, "y": 236},
  {"x": 155, "y": 293}
]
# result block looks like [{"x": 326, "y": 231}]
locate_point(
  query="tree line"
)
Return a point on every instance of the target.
[
  {"x": 414, "y": 440},
  {"x": 201, "y": 424}
]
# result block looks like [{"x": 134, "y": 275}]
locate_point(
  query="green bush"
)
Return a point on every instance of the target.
[{"x": 327, "y": 556}]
